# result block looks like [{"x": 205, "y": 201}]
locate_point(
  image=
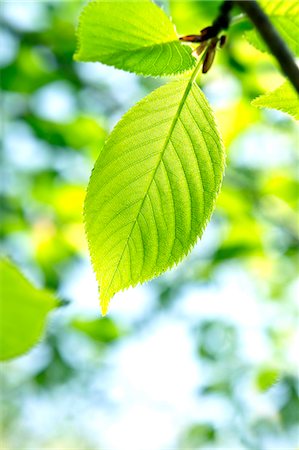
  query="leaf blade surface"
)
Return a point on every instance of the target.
[
  {"x": 133, "y": 36},
  {"x": 153, "y": 187},
  {"x": 284, "y": 99}
]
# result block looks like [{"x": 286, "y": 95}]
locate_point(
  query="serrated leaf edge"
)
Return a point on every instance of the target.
[
  {"x": 104, "y": 303},
  {"x": 77, "y": 57}
]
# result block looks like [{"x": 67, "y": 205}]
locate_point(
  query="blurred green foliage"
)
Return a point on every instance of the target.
[
  {"x": 57, "y": 114},
  {"x": 23, "y": 310}
]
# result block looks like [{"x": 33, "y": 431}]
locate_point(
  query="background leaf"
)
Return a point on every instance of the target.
[
  {"x": 153, "y": 187},
  {"x": 23, "y": 312},
  {"x": 284, "y": 98},
  {"x": 133, "y": 36},
  {"x": 285, "y": 17},
  {"x": 103, "y": 330}
]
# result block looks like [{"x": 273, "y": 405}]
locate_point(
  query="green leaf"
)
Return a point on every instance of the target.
[
  {"x": 136, "y": 36},
  {"x": 102, "y": 330},
  {"x": 23, "y": 312},
  {"x": 153, "y": 187},
  {"x": 285, "y": 17},
  {"x": 267, "y": 377},
  {"x": 284, "y": 98}
]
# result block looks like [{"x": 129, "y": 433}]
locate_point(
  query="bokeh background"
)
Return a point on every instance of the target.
[{"x": 204, "y": 357}]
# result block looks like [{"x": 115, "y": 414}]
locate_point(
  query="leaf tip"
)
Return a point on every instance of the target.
[
  {"x": 104, "y": 300},
  {"x": 104, "y": 305}
]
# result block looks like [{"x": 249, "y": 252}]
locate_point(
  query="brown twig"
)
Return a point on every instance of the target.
[
  {"x": 262, "y": 23},
  {"x": 219, "y": 24},
  {"x": 272, "y": 39}
]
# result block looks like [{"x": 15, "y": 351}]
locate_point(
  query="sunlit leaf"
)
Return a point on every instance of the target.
[
  {"x": 285, "y": 17},
  {"x": 153, "y": 187},
  {"x": 23, "y": 312},
  {"x": 136, "y": 36},
  {"x": 284, "y": 98}
]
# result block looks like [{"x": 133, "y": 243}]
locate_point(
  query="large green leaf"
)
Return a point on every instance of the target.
[
  {"x": 153, "y": 187},
  {"x": 284, "y": 14},
  {"x": 135, "y": 36},
  {"x": 23, "y": 312},
  {"x": 284, "y": 98}
]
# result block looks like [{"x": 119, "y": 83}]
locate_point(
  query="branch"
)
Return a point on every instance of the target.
[
  {"x": 221, "y": 23},
  {"x": 272, "y": 39}
]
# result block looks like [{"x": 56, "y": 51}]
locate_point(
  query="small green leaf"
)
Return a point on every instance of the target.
[
  {"x": 136, "y": 36},
  {"x": 153, "y": 187},
  {"x": 102, "y": 330},
  {"x": 267, "y": 377},
  {"x": 284, "y": 98},
  {"x": 285, "y": 17},
  {"x": 23, "y": 312}
]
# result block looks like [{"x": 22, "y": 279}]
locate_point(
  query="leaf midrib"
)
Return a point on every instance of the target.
[
  {"x": 167, "y": 140},
  {"x": 133, "y": 50}
]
